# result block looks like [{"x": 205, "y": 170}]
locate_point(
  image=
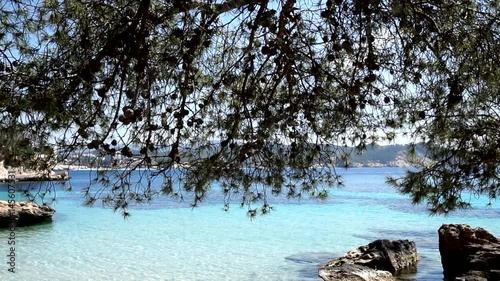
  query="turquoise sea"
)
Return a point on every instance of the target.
[{"x": 168, "y": 240}]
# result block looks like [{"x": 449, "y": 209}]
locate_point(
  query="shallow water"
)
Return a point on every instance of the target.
[{"x": 168, "y": 240}]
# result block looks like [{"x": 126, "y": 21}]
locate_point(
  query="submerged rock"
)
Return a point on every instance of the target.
[
  {"x": 469, "y": 254},
  {"x": 310, "y": 258},
  {"x": 24, "y": 213},
  {"x": 378, "y": 260}
]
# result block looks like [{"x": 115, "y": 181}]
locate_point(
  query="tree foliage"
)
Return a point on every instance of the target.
[{"x": 254, "y": 93}]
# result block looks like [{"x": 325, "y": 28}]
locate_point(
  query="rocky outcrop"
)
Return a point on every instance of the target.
[
  {"x": 354, "y": 272},
  {"x": 378, "y": 260},
  {"x": 24, "y": 213},
  {"x": 469, "y": 254}
]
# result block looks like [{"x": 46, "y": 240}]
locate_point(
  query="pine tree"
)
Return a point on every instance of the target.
[{"x": 254, "y": 93}]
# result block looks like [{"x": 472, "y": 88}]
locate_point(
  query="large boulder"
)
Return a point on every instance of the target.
[
  {"x": 24, "y": 213},
  {"x": 378, "y": 260},
  {"x": 469, "y": 254}
]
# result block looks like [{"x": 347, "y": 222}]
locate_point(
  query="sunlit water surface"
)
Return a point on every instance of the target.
[{"x": 168, "y": 240}]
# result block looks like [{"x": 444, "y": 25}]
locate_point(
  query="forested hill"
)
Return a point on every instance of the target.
[
  {"x": 376, "y": 156},
  {"x": 379, "y": 156}
]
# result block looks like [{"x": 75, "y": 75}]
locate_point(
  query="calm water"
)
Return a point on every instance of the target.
[{"x": 170, "y": 241}]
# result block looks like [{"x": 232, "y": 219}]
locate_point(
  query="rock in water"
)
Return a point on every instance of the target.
[
  {"x": 24, "y": 213},
  {"x": 354, "y": 272},
  {"x": 378, "y": 260},
  {"x": 469, "y": 254}
]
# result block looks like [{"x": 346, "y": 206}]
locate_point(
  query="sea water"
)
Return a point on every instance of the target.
[{"x": 169, "y": 240}]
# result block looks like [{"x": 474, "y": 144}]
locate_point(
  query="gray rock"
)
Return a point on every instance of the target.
[
  {"x": 375, "y": 261},
  {"x": 354, "y": 272},
  {"x": 24, "y": 213},
  {"x": 469, "y": 254}
]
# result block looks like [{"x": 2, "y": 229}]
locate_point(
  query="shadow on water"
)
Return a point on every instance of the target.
[
  {"x": 426, "y": 277},
  {"x": 46, "y": 225},
  {"x": 430, "y": 277},
  {"x": 32, "y": 230},
  {"x": 312, "y": 257},
  {"x": 310, "y": 263}
]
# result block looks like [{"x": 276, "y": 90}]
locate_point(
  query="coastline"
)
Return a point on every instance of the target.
[
  {"x": 60, "y": 172},
  {"x": 22, "y": 175},
  {"x": 86, "y": 168}
]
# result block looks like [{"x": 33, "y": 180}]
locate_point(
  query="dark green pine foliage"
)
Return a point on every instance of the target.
[{"x": 252, "y": 93}]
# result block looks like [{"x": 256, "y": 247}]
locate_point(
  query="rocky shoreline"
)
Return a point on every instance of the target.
[
  {"x": 380, "y": 260},
  {"x": 23, "y": 213},
  {"x": 467, "y": 254}
]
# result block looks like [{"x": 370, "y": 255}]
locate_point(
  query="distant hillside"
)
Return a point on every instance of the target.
[
  {"x": 376, "y": 156},
  {"x": 380, "y": 156}
]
